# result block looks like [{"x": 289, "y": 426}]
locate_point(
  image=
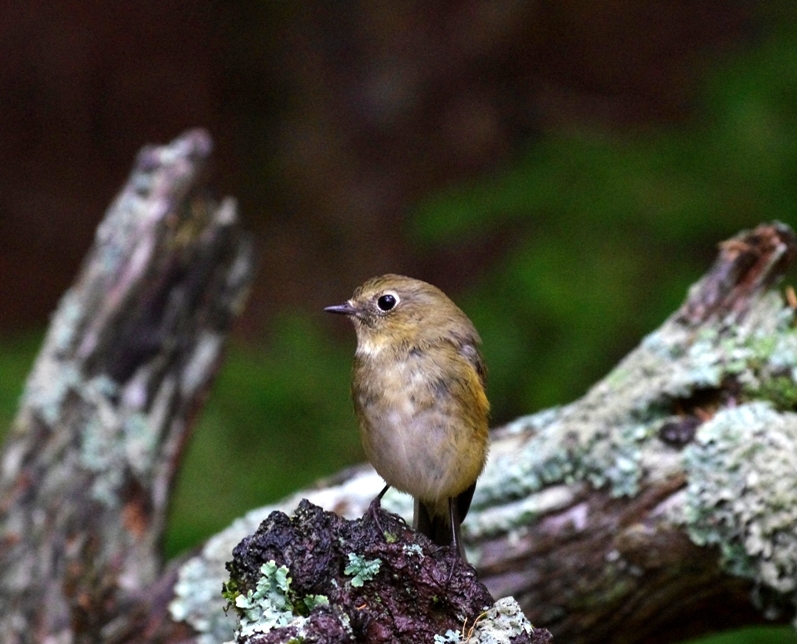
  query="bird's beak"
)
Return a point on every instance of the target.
[{"x": 345, "y": 309}]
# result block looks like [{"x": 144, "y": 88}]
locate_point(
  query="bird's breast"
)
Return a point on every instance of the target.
[{"x": 423, "y": 427}]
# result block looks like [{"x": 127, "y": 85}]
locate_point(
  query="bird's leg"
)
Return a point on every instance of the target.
[
  {"x": 456, "y": 521},
  {"x": 456, "y": 537},
  {"x": 374, "y": 507}
]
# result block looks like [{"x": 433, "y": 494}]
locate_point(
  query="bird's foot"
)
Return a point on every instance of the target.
[
  {"x": 376, "y": 506},
  {"x": 373, "y": 511}
]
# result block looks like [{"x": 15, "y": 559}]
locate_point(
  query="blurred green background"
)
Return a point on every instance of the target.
[{"x": 565, "y": 247}]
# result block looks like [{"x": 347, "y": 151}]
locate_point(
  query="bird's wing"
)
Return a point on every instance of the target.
[{"x": 472, "y": 354}]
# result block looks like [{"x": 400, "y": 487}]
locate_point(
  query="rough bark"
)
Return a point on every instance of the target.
[
  {"x": 661, "y": 504},
  {"x": 88, "y": 466}
]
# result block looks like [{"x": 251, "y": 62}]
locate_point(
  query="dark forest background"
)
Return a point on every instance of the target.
[{"x": 562, "y": 169}]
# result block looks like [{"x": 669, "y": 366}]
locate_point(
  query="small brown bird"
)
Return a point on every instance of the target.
[{"x": 418, "y": 391}]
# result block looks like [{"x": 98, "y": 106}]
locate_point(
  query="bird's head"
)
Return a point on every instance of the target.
[{"x": 394, "y": 310}]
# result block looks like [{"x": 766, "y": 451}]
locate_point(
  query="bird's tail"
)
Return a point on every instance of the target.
[{"x": 443, "y": 527}]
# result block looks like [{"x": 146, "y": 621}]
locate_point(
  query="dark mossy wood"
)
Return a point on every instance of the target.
[{"x": 380, "y": 580}]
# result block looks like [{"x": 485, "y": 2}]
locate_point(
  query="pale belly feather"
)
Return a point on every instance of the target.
[{"x": 413, "y": 439}]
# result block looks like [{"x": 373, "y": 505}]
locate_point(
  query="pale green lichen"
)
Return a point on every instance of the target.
[
  {"x": 113, "y": 440},
  {"x": 267, "y": 607},
  {"x": 193, "y": 602},
  {"x": 140, "y": 442},
  {"x": 610, "y": 438},
  {"x": 503, "y": 517},
  {"x": 272, "y": 604},
  {"x": 413, "y": 549},
  {"x": 312, "y": 601},
  {"x": 63, "y": 330},
  {"x": 742, "y": 495},
  {"x": 772, "y": 374},
  {"x": 450, "y": 637},
  {"x": 196, "y": 594},
  {"x": 501, "y": 624},
  {"x": 100, "y": 453},
  {"x": 361, "y": 569},
  {"x": 48, "y": 387}
]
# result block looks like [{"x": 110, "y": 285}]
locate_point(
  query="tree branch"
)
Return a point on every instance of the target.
[{"x": 131, "y": 352}]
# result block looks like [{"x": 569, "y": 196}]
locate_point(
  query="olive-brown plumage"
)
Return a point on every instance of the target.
[{"x": 418, "y": 391}]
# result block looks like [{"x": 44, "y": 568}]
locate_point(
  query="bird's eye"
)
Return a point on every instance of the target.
[{"x": 386, "y": 302}]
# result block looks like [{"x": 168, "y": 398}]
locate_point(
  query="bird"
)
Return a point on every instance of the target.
[{"x": 418, "y": 388}]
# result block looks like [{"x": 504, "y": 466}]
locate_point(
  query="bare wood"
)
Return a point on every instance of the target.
[{"x": 106, "y": 413}]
